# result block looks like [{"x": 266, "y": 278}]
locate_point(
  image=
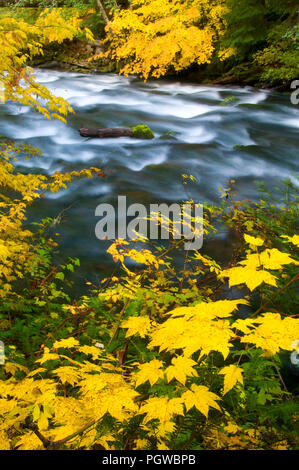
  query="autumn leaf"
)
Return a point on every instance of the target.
[
  {"x": 150, "y": 371},
  {"x": 66, "y": 343},
  {"x": 232, "y": 375},
  {"x": 201, "y": 398},
  {"x": 181, "y": 368},
  {"x": 138, "y": 325},
  {"x": 68, "y": 374},
  {"x": 163, "y": 409},
  {"x": 251, "y": 277},
  {"x": 294, "y": 239},
  {"x": 29, "y": 441},
  {"x": 254, "y": 241},
  {"x": 271, "y": 333}
]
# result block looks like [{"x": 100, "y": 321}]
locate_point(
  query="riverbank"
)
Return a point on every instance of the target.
[
  {"x": 268, "y": 61},
  {"x": 73, "y": 56}
]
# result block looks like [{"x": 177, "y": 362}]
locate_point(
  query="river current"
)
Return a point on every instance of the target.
[{"x": 253, "y": 137}]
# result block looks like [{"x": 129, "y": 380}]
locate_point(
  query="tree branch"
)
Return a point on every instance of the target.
[{"x": 103, "y": 11}]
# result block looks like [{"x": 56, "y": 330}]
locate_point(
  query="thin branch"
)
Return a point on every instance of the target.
[
  {"x": 51, "y": 445},
  {"x": 295, "y": 278},
  {"x": 103, "y": 11}
]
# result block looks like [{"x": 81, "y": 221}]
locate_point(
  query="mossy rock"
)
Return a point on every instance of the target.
[{"x": 142, "y": 131}]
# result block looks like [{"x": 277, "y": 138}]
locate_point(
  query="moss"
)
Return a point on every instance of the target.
[{"x": 142, "y": 131}]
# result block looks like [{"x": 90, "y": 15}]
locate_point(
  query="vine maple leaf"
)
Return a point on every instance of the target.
[
  {"x": 232, "y": 375},
  {"x": 150, "y": 371},
  {"x": 181, "y": 367},
  {"x": 200, "y": 397}
]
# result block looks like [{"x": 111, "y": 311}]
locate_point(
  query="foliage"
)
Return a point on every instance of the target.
[
  {"x": 280, "y": 58},
  {"x": 249, "y": 40},
  {"x": 156, "y": 357},
  {"x": 267, "y": 33},
  {"x": 155, "y": 37},
  {"x": 19, "y": 42},
  {"x": 142, "y": 362}
]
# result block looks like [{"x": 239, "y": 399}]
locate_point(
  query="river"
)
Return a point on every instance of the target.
[{"x": 253, "y": 137}]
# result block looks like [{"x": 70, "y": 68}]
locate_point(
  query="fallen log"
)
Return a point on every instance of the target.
[
  {"x": 142, "y": 131},
  {"x": 106, "y": 132}
]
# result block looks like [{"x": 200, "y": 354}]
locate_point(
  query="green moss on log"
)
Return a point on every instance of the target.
[{"x": 142, "y": 131}]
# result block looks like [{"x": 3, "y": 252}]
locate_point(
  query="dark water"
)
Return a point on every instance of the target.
[{"x": 202, "y": 144}]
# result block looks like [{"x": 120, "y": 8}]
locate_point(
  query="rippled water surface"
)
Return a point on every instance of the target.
[{"x": 204, "y": 141}]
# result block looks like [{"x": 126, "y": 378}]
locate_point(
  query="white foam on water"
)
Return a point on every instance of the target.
[
  {"x": 98, "y": 190},
  {"x": 254, "y": 167},
  {"x": 294, "y": 122},
  {"x": 241, "y": 137},
  {"x": 42, "y": 162},
  {"x": 110, "y": 79},
  {"x": 84, "y": 100},
  {"x": 16, "y": 109},
  {"x": 186, "y": 89},
  {"x": 177, "y": 108},
  {"x": 71, "y": 94},
  {"x": 41, "y": 129},
  {"x": 67, "y": 137},
  {"x": 77, "y": 155},
  {"x": 197, "y": 135},
  {"x": 212, "y": 117},
  {"x": 141, "y": 162},
  {"x": 112, "y": 142},
  {"x": 254, "y": 98},
  {"x": 45, "y": 76}
]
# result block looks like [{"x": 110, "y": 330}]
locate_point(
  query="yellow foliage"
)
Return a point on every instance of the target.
[
  {"x": 200, "y": 397},
  {"x": 137, "y": 325},
  {"x": 294, "y": 239},
  {"x": 181, "y": 368},
  {"x": 232, "y": 375},
  {"x": 154, "y": 36},
  {"x": 252, "y": 270},
  {"x": 19, "y": 42},
  {"x": 151, "y": 371},
  {"x": 272, "y": 333},
  {"x": 162, "y": 409},
  {"x": 17, "y": 255},
  {"x": 180, "y": 331},
  {"x": 255, "y": 241}
]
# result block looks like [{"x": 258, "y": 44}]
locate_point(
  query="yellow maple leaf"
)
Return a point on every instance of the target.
[
  {"x": 294, "y": 239},
  {"x": 232, "y": 375},
  {"x": 29, "y": 441},
  {"x": 66, "y": 343},
  {"x": 150, "y": 371},
  {"x": 68, "y": 374},
  {"x": 251, "y": 277},
  {"x": 232, "y": 428},
  {"x": 181, "y": 368},
  {"x": 47, "y": 356},
  {"x": 272, "y": 333},
  {"x": 12, "y": 367},
  {"x": 163, "y": 409},
  {"x": 42, "y": 422},
  {"x": 255, "y": 241},
  {"x": 200, "y": 397},
  {"x": 268, "y": 259},
  {"x": 137, "y": 325},
  {"x": 4, "y": 441},
  {"x": 141, "y": 444}
]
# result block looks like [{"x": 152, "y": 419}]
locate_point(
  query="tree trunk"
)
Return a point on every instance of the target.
[
  {"x": 103, "y": 11},
  {"x": 108, "y": 132}
]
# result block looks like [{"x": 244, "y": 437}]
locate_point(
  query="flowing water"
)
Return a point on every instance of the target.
[{"x": 254, "y": 137}]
